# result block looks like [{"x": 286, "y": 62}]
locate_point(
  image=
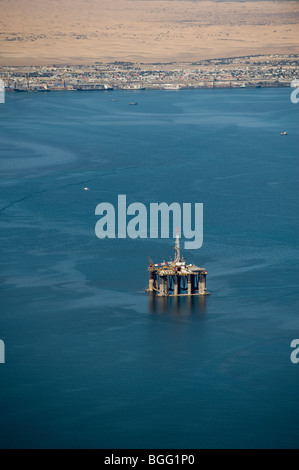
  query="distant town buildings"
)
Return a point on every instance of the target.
[{"x": 248, "y": 71}]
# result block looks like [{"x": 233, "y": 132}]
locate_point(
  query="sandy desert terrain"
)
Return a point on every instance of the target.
[{"x": 36, "y": 32}]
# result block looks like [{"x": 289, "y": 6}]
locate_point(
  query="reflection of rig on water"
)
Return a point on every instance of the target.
[{"x": 175, "y": 278}]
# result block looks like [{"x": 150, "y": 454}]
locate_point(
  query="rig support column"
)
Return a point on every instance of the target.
[
  {"x": 163, "y": 286},
  {"x": 190, "y": 284},
  {"x": 176, "y": 285},
  {"x": 166, "y": 285},
  {"x": 202, "y": 284},
  {"x": 151, "y": 282}
]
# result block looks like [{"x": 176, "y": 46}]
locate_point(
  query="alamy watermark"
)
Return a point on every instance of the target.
[
  {"x": 2, "y": 352},
  {"x": 2, "y": 92},
  {"x": 295, "y": 93},
  {"x": 144, "y": 223},
  {"x": 295, "y": 354}
]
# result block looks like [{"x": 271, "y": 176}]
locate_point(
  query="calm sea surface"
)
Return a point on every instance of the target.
[{"x": 91, "y": 361}]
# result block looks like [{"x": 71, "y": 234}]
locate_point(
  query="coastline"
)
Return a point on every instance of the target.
[
  {"x": 250, "y": 71},
  {"x": 269, "y": 85}
]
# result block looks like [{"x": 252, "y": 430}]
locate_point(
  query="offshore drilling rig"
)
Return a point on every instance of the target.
[{"x": 176, "y": 278}]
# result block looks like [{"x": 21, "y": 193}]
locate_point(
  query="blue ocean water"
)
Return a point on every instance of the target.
[{"x": 91, "y": 360}]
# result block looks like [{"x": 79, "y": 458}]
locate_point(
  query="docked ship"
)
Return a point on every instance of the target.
[
  {"x": 45, "y": 89},
  {"x": 94, "y": 88},
  {"x": 134, "y": 87},
  {"x": 172, "y": 87}
]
